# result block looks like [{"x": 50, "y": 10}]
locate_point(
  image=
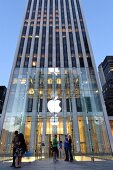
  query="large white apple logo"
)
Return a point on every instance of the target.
[{"x": 53, "y": 106}]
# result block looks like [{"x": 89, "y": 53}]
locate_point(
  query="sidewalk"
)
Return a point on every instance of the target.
[{"x": 61, "y": 165}]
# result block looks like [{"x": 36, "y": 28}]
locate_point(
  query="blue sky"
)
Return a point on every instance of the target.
[{"x": 99, "y": 19}]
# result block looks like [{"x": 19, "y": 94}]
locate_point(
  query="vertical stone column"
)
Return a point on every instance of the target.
[
  {"x": 62, "y": 70},
  {"x": 54, "y": 40}
]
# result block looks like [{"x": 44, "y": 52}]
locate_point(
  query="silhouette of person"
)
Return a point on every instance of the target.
[
  {"x": 15, "y": 145},
  {"x": 70, "y": 148},
  {"x": 66, "y": 148}
]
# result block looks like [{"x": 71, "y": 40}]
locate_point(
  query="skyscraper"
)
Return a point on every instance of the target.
[
  {"x": 106, "y": 78},
  {"x": 3, "y": 90},
  {"x": 53, "y": 87}
]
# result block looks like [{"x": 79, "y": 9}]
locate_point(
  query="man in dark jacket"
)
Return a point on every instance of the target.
[
  {"x": 70, "y": 149},
  {"x": 15, "y": 144},
  {"x": 66, "y": 148}
]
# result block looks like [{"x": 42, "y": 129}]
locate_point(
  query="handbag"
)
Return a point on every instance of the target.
[{"x": 28, "y": 154}]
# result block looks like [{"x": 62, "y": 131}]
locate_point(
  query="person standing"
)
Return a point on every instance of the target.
[
  {"x": 21, "y": 149},
  {"x": 70, "y": 148},
  {"x": 42, "y": 148},
  {"x": 60, "y": 148},
  {"x": 66, "y": 148},
  {"x": 55, "y": 149},
  {"x": 50, "y": 149},
  {"x": 15, "y": 144}
]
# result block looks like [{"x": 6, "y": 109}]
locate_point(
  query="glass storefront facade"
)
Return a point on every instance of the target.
[{"x": 81, "y": 113}]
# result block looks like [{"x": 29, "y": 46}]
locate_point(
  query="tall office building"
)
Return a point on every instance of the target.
[
  {"x": 53, "y": 87},
  {"x": 3, "y": 90},
  {"x": 106, "y": 78}
]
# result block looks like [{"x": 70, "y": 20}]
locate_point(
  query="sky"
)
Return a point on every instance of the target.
[{"x": 98, "y": 15}]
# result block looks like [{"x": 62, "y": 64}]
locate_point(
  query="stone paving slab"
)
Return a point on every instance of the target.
[{"x": 60, "y": 165}]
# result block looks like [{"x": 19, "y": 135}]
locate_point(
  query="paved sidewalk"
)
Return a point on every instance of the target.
[{"x": 61, "y": 165}]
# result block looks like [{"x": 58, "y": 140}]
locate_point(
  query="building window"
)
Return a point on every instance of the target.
[
  {"x": 29, "y": 104},
  {"x": 81, "y": 62},
  {"x": 68, "y": 105},
  {"x": 28, "y": 46},
  {"x": 39, "y": 105},
  {"x": 42, "y": 57},
  {"x": 78, "y": 105},
  {"x": 34, "y": 64},
  {"x": 89, "y": 62},
  {"x": 88, "y": 104}
]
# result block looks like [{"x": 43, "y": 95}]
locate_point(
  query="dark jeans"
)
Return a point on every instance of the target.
[
  {"x": 70, "y": 154},
  {"x": 14, "y": 157},
  {"x": 55, "y": 152},
  {"x": 67, "y": 154}
]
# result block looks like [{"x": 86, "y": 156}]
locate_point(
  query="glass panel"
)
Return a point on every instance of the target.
[
  {"x": 82, "y": 134},
  {"x": 111, "y": 125},
  {"x": 27, "y": 131}
]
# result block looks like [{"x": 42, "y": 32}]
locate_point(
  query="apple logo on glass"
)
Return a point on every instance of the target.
[{"x": 54, "y": 106}]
